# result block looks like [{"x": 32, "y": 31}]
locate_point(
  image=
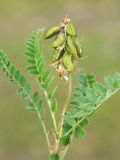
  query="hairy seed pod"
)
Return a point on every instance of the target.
[
  {"x": 70, "y": 30},
  {"x": 59, "y": 41},
  {"x": 52, "y": 31},
  {"x": 79, "y": 48},
  {"x": 57, "y": 55},
  {"x": 67, "y": 61},
  {"x": 71, "y": 48}
]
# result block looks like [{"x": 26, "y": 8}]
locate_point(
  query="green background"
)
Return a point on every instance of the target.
[{"x": 98, "y": 23}]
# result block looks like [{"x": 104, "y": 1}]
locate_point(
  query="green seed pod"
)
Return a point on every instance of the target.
[
  {"x": 71, "y": 48},
  {"x": 67, "y": 60},
  {"x": 52, "y": 31},
  {"x": 70, "y": 29},
  {"x": 59, "y": 41},
  {"x": 57, "y": 55},
  {"x": 79, "y": 48}
]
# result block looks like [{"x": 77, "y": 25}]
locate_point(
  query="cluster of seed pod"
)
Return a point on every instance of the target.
[{"x": 66, "y": 46}]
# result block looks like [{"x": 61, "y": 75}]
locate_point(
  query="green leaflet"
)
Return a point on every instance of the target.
[
  {"x": 92, "y": 95},
  {"x": 53, "y": 156},
  {"x": 47, "y": 75},
  {"x": 117, "y": 78},
  {"x": 70, "y": 120},
  {"x": 41, "y": 109},
  {"x": 80, "y": 132},
  {"x": 101, "y": 89},
  {"x": 31, "y": 106},
  {"x": 91, "y": 78},
  {"x": 12, "y": 69},
  {"x": 65, "y": 140},
  {"x": 47, "y": 78},
  {"x": 110, "y": 83},
  {"x": 17, "y": 75},
  {"x": 22, "y": 81},
  {"x": 32, "y": 69},
  {"x": 52, "y": 92},
  {"x": 54, "y": 106},
  {"x": 22, "y": 93},
  {"x": 36, "y": 97},
  {"x": 83, "y": 112},
  {"x": 66, "y": 127},
  {"x": 28, "y": 88},
  {"x": 84, "y": 122}
]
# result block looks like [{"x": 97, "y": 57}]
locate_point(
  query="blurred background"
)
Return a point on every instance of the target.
[{"x": 98, "y": 24}]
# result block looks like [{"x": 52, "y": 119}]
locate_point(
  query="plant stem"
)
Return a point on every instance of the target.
[
  {"x": 65, "y": 151},
  {"x": 43, "y": 125},
  {"x": 50, "y": 106},
  {"x": 64, "y": 111}
]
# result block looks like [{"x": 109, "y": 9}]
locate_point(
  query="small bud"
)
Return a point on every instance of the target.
[
  {"x": 66, "y": 20},
  {"x": 67, "y": 61},
  {"x": 79, "y": 48},
  {"x": 51, "y": 32},
  {"x": 71, "y": 46},
  {"x": 70, "y": 30},
  {"x": 59, "y": 41}
]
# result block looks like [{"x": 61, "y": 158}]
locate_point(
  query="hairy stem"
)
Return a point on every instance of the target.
[
  {"x": 64, "y": 153},
  {"x": 43, "y": 124},
  {"x": 64, "y": 111},
  {"x": 50, "y": 106}
]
